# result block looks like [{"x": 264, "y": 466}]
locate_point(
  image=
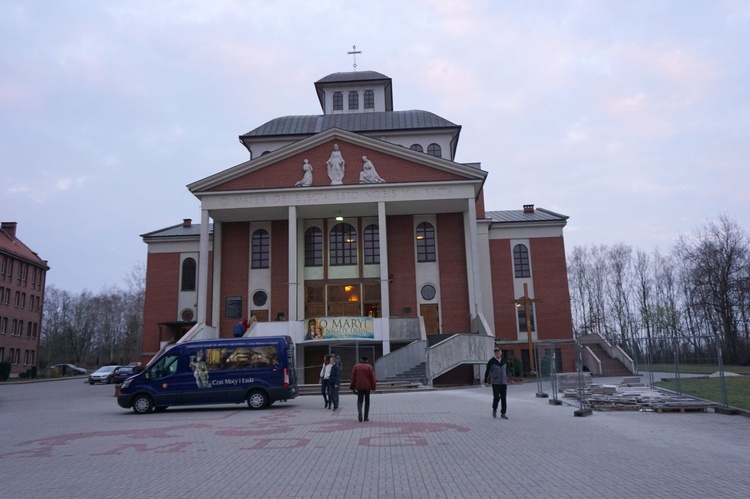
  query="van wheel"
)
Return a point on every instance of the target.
[
  {"x": 257, "y": 400},
  {"x": 142, "y": 404}
]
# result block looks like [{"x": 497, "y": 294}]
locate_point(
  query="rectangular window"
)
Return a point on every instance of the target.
[
  {"x": 34, "y": 332},
  {"x": 2, "y": 293},
  {"x": 2, "y": 354},
  {"x": 23, "y": 300},
  {"x": 28, "y": 329},
  {"x": 260, "y": 250},
  {"x": 3, "y": 324},
  {"x": 26, "y": 357},
  {"x": 18, "y": 299}
]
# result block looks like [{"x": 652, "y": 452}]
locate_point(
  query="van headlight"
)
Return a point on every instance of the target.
[{"x": 125, "y": 384}]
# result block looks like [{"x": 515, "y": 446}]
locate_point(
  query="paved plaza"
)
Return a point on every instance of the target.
[{"x": 66, "y": 438}]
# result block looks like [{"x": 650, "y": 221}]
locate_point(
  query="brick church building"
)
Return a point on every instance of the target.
[{"x": 356, "y": 230}]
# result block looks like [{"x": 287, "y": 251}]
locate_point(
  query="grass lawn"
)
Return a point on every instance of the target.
[
  {"x": 738, "y": 389},
  {"x": 697, "y": 368}
]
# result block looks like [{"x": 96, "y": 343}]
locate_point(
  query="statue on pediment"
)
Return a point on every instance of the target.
[
  {"x": 336, "y": 166},
  {"x": 368, "y": 175},
  {"x": 307, "y": 177}
]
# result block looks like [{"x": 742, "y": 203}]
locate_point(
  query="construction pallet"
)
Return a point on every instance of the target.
[{"x": 692, "y": 408}]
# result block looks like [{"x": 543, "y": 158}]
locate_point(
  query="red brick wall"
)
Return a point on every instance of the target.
[
  {"x": 279, "y": 269},
  {"x": 549, "y": 269},
  {"x": 235, "y": 263},
  {"x": 501, "y": 268},
  {"x": 289, "y": 170},
  {"x": 454, "y": 284},
  {"x": 480, "y": 205},
  {"x": 162, "y": 278},
  {"x": 401, "y": 265}
]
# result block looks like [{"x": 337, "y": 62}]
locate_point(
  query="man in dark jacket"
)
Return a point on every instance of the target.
[
  {"x": 334, "y": 382},
  {"x": 363, "y": 382},
  {"x": 497, "y": 374}
]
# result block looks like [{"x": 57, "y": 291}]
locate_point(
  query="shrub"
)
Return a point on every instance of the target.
[{"x": 4, "y": 370}]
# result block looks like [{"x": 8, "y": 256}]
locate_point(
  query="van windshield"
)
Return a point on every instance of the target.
[{"x": 165, "y": 366}]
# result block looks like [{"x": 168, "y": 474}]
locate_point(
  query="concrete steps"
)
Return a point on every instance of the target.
[{"x": 386, "y": 386}]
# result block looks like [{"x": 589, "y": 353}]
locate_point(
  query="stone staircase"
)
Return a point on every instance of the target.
[
  {"x": 416, "y": 375},
  {"x": 610, "y": 366},
  {"x": 412, "y": 380}
]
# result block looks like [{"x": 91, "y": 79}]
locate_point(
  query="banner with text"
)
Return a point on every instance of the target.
[{"x": 340, "y": 328}]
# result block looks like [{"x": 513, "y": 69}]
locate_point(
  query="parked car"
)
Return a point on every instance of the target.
[
  {"x": 124, "y": 372},
  {"x": 104, "y": 374},
  {"x": 66, "y": 369}
]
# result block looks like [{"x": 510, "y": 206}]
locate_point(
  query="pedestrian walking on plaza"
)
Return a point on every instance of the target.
[
  {"x": 325, "y": 374},
  {"x": 363, "y": 382},
  {"x": 334, "y": 383},
  {"x": 497, "y": 375}
]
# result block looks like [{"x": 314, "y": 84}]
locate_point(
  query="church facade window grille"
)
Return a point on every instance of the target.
[
  {"x": 416, "y": 147},
  {"x": 313, "y": 247},
  {"x": 260, "y": 250},
  {"x": 188, "y": 275},
  {"x": 338, "y": 101},
  {"x": 343, "y": 245},
  {"x": 521, "y": 265},
  {"x": 426, "y": 243},
  {"x": 369, "y": 99},
  {"x": 434, "y": 150},
  {"x": 353, "y": 100},
  {"x": 371, "y": 236}
]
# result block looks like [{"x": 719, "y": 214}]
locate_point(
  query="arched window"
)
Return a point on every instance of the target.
[
  {"x": 521, "y": 261},
  {"x": 369, "y": 99},
  {"x": 260, "y": 250},
  {"x": 338, "y": 101},
  {"x": 353, "y": 100},
  {"x": 434, "y": 150},
  {"x": 313, "y": 247},
  {"x": 425, "y": 243},
  {"x": 343, "y": 245},
  {"x": 188, "y": 275},
  {"x": 416, "y": 147},
  {"x": 372, "y": 245}
]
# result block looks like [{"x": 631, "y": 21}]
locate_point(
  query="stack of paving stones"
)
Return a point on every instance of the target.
[{"x": 632, "y": 395}]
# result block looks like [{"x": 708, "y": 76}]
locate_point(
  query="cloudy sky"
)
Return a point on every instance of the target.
[{"x": 631, "y": 118}]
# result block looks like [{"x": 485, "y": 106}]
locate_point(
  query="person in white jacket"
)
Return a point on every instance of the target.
[{"x": 325, "y": 373}]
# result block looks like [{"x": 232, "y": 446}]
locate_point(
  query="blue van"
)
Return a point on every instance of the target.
[{"x": 258, "y": 371}]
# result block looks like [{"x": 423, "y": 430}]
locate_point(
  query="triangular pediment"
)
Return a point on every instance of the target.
[{"x": 285, "y": 168}]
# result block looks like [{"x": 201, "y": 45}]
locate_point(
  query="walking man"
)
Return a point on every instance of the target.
[
  {"x": 334, "y": 382},
  {"x": 497, "y": 375},
  {"x": 363, "y": 381}
]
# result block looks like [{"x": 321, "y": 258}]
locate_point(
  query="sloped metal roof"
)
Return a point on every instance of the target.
[
  {"x": 515, "y": 216},
  {"x": 354, "y": 122},
  {"x": 352, "y": 76},
  {"x": 180, "y": 230}
]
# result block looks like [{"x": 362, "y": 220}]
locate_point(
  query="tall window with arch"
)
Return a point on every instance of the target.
[
  {"x": 260, "y": 250},
  {"x": 426, "y": 243},
  {"x": 416, "y": 147},
  {"x": 353, "y": 100},
  {"x": 372, "y": 245},
  {"x": 338, "y": 101},
  {"x": 434, "y": 150},
  {"x": 343, "y": 244},
  {"x": 521, "y": 264},
  {"x": 313, "y": 247},
  {"x": 369, "y": 99},
  {"x": 188, "y": 275}
]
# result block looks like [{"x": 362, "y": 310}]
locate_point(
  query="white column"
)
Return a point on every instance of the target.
[
  {"x": 385, "y": 308},
  {"x": 203, "y": 269},
  {"x": 472, "y": 256},
  {"x": 292, "y": 312}
]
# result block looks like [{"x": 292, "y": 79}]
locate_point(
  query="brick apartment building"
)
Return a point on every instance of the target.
[
  {"x": 22, "y": 278},
  {"x": 356, "y": 230}
]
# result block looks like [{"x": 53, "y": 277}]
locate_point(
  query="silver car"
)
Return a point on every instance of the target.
[{"x": 104, "y": 374}]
